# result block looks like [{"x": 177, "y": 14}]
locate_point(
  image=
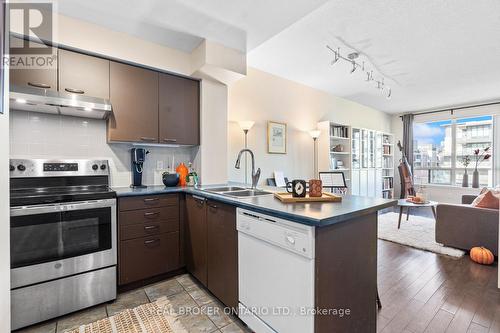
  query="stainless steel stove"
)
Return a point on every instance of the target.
[{"x": 63, "y": 237}]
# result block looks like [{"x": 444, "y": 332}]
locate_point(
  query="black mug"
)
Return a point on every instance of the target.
[{"x": 298, "y": 188}]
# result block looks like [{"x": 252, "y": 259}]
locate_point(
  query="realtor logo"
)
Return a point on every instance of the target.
[
  {"x": 32, "y": 28},
  {"x": 35, "y": 20}
]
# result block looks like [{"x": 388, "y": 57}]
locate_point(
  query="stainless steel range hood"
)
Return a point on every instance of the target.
[{"x": 47, "y": 101}]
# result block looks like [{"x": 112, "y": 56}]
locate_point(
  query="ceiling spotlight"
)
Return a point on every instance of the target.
[
  {"x": 353, "y": 55},
  {"x": 336, "y": 56},
  {"x": 353, "y": 67},
  {"x": 369, "y": 76}
]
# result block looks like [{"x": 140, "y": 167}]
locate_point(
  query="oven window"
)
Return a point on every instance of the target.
[{"x": 48, "y": 237}]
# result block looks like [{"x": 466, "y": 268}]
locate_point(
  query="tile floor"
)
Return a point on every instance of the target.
[{"x": 181, "y": 292}]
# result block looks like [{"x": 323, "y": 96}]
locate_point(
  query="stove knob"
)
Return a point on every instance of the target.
[
  {"x": 95, "y": 167},
  {"x": 21, "y": 167},
  {"x": 11, "y": 167},
  {"x": 103, "y": 166}
]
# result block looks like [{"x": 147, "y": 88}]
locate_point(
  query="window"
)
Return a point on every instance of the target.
[{"x": 439, "y": 148}]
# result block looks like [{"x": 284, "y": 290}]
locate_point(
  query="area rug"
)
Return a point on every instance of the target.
[
  {"x": 419, "y": 232},
  {"x": 146, "y": 318}
]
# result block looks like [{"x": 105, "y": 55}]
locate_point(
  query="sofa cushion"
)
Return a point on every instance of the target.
[{"x": 488, "y": 199}]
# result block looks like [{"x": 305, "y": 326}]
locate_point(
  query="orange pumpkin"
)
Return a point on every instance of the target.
[{"x": 482, "y": 255}]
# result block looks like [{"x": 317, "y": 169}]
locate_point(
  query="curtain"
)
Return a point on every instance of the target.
[{"x": 408, "y": 138}]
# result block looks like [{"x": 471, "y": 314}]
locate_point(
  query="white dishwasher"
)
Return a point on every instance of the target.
[{"x": 276, "y": 273}]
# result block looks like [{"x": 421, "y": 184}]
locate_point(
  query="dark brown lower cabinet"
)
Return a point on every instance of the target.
[
  {"x": 222, "y": 252},
  {"x": 145, "y": 257},
  {"x": 196, "y": 237},
  {"x": 149, "y": 237}
]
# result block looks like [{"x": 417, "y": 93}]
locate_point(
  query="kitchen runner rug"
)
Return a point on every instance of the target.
[
  {"x": 146, "y": 318},
  {"x": 419, "y": 232}
]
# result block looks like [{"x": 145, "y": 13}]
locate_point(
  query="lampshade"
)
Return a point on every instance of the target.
[
  {"x": 315, "y": 134},
  {"x": 246, "y": 124}
]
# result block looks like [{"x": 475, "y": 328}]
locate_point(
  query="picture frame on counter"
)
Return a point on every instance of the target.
[{"x": 276, "y": 137}]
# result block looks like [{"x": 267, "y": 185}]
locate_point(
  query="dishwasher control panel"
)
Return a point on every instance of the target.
[{"x": 286, "y": 234}]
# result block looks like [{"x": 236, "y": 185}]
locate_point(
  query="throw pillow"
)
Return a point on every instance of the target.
[{"x": 489, "y": 199}]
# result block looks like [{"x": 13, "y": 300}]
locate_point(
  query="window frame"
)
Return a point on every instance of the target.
[{"x": 453, "y": 168}]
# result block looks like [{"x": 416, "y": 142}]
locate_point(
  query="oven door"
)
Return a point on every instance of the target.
[{"x": 53, "y": 241}]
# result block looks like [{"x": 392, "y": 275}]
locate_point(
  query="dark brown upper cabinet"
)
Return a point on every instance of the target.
[
  {"x": 222, "y": 252},
  {"x": 134, "y": 96},
  {"x": 83, "y": 75},
  {"x": 179, "y": 111},
  {"x": 36, "y": 78},
  {"x": 196, "y": 237}
]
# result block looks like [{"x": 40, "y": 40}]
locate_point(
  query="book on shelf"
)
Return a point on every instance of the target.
[
  {"x": 387, "y": 183},
  {"x": 339, "y": 131},
  {"x": 387, "y": 150}
]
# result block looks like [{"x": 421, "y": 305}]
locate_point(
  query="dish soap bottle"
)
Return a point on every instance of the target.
[{"x": 183, "y": 171}]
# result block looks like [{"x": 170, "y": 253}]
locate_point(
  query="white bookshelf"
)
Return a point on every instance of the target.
[
  {"x": 372, "y": 163},
  {"x": 334, "y": 149}
]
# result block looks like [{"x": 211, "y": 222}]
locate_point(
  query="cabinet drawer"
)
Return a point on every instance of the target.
[
  {"x": 148, "y": 201},
  {"x": 148, "y": 215},
  {"x": 148, "y": 229},
  {"x": 146, "y": 257}
]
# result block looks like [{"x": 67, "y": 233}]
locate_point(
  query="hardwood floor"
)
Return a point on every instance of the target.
[{"x": 425, "y": 292}]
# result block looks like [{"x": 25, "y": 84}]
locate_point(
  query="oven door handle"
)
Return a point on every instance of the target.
[{"x": 64, "y": 207}]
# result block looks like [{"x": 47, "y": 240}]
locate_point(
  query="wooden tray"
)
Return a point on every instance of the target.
[{"x": 326, "y": 197}]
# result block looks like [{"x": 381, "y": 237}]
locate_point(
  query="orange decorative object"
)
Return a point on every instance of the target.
[
  {"x": 315, "y": 188},
  {"x": 482, "y": 255},
  {"x": 183, "y": 171}
]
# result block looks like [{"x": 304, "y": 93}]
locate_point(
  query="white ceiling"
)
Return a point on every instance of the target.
[
  {"x": 434, "y": 53},
  {"x": 438, "y": 53},
  {"x": 183, "y": 24}
]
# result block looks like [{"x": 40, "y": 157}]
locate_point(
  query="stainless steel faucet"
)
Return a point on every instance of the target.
[{"x": 255, "y": 174}]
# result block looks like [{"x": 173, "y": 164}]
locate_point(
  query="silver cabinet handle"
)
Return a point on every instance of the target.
[
  {"x": 149, "y": 227},
  {"x": 145, "y": 138},
  {"x": 74, "y": 91},
  {"x": 147, "y": 200},
  {"x": 39, "y": 85},
  {"x": 199, "y": 198},
  {"x": 151, "y": 214},
  {"x": 151, "y": 241},
  {"x": 170, "y": 140}
]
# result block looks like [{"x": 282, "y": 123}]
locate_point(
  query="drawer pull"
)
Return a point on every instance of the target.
[
  {"x": 151, "y": 241},
  {"x": 213, "y": 206},
  {"x": 151, "y": 214},
  {"x": 148, "y": 200},
  {"x": 39, "y": 85},
  {"x": 145, "y": 138},
  {"x": 170, "y": 140},
  {"x": 75, "y": 91},
  {"x": 150, "y": 227}
]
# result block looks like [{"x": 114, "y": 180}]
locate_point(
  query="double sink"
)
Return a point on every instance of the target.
[{"x": 237, "y": 192}]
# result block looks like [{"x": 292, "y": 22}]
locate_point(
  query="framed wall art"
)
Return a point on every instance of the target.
[{"x": 276, "y": 137}]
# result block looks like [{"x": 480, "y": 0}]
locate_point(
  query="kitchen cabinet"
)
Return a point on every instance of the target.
[
  {"x": 134, "y": 96},
  {"x": 179, "y": 110},
  {"x": 196, "y": 238},
  {"x": 34, "y": 78},
  {"x": 83, "y": 75},
  {"x": 148, "y": 236},
  {"x": 222, "y": 252},
  {"x": 212, "y": 247}
]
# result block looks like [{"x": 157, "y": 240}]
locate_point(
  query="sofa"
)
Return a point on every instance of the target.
[{"x": 463, "y": 226}]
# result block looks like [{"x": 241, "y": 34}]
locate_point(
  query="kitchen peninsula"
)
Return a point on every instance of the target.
[{"x": 317, "y": 261}]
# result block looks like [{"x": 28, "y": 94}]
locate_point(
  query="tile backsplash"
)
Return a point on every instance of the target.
[{"x": 39, "y": 135}]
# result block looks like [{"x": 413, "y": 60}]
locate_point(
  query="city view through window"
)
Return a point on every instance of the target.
[{"x": 439, "y": 148}]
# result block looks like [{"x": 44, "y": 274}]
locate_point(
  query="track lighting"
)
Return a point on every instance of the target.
[{"x": 351, "y": 57}]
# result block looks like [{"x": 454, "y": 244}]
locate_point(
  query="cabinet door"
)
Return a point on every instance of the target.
[
  {"x": 363, "y": 182},
  {"x": 35, "y": 78},
  {"x": 196, "y": 238},
  {"x": 179, "y": 118},
  {"x": 222, "y": 252},
  {"x": 142, "y": 258},
  {"x": 355, "y": 182},
  {"x": 134, "y": 96},
  {"x": 84, "y": 75}
]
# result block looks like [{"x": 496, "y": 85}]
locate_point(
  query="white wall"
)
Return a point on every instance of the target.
[
  {"x": 4, "y": 212},
  {"x": 39, "y": 135},
  {"x": 262, "y": 97}
]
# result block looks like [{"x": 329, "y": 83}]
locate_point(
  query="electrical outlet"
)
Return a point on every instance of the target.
[{"x": 160, "y": 165}]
